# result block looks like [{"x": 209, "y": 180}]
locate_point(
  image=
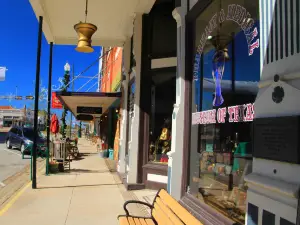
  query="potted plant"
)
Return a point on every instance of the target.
[{"x": 53, "y": 166}]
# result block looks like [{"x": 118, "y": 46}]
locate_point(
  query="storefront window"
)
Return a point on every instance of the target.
[
  {"x": 225, "y": 84},
  {"x": 162, "y": 101},
  {"x": 130, "y": 107}
]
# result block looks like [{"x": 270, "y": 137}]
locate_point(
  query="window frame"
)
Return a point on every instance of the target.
[{"x": 211, "y": 215}]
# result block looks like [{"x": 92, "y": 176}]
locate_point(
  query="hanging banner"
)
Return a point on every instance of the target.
[
  {"x": 2, "y": 73},
  {"x": 56, "y": 104}
]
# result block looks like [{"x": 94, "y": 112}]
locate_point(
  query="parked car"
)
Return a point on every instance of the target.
[{"x": 22, "y": 138}]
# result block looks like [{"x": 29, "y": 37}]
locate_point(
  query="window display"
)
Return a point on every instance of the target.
[
  {"x": 130, "y": 107},
  {"x": 160, "y": 148},
  {"x": 162, "y": 101},
  {"x": 225, "y": 84}
]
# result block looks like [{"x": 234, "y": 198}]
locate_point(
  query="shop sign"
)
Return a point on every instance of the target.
[
  {"x": 237, "y": 113},
  {"x": 56, "y": 104},
  {"x": 239, "y": 15},
  {"x": 84, "y": 117},
  {"x": 89, "y": 110}
]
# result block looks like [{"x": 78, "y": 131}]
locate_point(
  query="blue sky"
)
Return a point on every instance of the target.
[{"x": 18, "y": 53}]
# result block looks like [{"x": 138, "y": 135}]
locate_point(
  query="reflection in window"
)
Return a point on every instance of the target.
[{"x": 223, "y": 95}]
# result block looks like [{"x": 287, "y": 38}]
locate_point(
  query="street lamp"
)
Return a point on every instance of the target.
[{"x": 67, "y": 67}]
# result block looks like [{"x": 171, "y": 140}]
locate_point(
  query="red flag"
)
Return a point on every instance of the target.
[
  {"x": 54, "y": 127},
  {"x": 56, "y": 104}
]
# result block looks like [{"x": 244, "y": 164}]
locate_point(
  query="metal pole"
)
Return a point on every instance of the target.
[
  {"x": 36, "y": 102},
  {"x": 72, "y": 90},
  {"x": 49, "y": 106}
]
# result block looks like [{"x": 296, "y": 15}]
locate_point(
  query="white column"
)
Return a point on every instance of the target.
[
  {"x": 133, "y": 144},
  {"x": 176, "y": 153},
  {"x": 124, "y": 120},
  {"x": 273, "y": 185}
]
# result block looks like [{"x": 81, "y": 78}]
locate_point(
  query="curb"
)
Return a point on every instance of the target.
[{"x": 16, "y": 184}]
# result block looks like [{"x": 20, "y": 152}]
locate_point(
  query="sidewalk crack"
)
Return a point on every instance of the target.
[{"x": 70, "y": 201}]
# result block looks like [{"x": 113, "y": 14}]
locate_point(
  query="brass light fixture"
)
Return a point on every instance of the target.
[
  {"x": 221, "y": 40},
  {"x": 85, "y": 32}
]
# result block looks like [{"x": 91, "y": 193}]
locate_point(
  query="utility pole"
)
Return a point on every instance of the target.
[{"x": 72, "y": 91}]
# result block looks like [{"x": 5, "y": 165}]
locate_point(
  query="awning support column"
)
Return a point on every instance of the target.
[
  {"x": 36, "y": 103},
  {"x": 49, "y": 107}
]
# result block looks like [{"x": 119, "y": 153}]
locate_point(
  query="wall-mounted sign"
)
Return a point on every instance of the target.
[
  {"x": 240, "y": 16},
  {"x": 56, "y": 104},
  {"x": 277, "y": 138},
  {"x": 84, "y": 117},
  {"x": 89, "y": 110},
  {"x": 234, "y": 114}
]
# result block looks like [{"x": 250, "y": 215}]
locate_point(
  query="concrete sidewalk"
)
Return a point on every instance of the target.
[{"x": 89, "y": 194}]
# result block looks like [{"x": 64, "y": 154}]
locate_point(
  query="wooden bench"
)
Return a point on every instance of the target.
[{"x": 164, "y": 210}]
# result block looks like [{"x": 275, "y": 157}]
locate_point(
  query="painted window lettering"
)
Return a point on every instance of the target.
[
  {"x": 237, "y": 113},
  {"x": 240, "y": 16}
]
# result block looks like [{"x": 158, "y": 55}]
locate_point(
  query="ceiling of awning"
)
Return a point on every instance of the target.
[
  {"x": 114, "y": 19},
  {"x": 72, "y": 100}
]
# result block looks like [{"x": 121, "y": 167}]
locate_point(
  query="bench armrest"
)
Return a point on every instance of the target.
[{"x": 135, "y": 202}]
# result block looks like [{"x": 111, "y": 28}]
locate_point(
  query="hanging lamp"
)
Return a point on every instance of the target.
[
  {"x": 85, "y": 32},
  {"x": 221, "y": 56}
]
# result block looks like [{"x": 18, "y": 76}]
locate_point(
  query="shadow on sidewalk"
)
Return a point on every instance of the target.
[
  {"x": 85, "y": 171},
  {"x": 79, "y": 186},
  {"x": 78, "y": 158},
  {"x": 88, "y": 153},
  {"x": 79, "y": 171}
]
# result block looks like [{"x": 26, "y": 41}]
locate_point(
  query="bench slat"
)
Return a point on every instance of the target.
[
  {"x": 137, "y": 221},
  {"x": 178, "y": 209},
  {"x": 175, "y": 220},
  {"x": 143, "y": 222},
  {"x": 149, "y": 222},
  {"x": 159, "y": 216},
  {"x": 123, "y": 220},
  {"x": 131, "y": 221}
]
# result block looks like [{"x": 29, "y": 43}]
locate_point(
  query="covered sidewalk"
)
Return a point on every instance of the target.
[
  {"x": 88, "y": 103},
  {"x": 91, "y": 193},
  {"x": 85, "y": 23}
]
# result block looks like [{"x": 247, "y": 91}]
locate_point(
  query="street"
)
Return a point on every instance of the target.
[{"x": 11, "y": 161}]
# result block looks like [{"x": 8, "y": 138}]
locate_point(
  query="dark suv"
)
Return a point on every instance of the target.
[{"x": 22, "y": 138}]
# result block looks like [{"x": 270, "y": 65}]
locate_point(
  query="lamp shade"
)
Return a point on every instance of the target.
[{"x": 85, "y": 32}]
